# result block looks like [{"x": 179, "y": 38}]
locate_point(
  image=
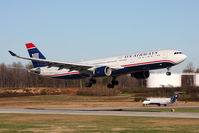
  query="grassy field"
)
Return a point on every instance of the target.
[
  {"x": 72, "y": 101},
  {"x": 62, "y": 101},
  {"x": 36, "y": 123},
  {"x": 26, "y": 123}
]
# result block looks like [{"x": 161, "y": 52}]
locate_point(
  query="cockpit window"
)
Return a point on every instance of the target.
[{"x": 178, "y": 53}]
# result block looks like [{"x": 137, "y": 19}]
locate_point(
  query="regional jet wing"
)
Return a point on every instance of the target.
[{"x": 60, "y": 65}]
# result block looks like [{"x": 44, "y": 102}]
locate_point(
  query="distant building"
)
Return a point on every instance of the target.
[
  {"x": 196, "y": 79},
  {"x": 158, "y": 80}
]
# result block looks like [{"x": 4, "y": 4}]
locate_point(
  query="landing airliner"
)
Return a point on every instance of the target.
[
  {"x": 138, "y": 65},
  {"x": 161, "y": 101}
]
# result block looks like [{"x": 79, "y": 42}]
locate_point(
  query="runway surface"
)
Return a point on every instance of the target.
[{"x": 112, "y": 111}]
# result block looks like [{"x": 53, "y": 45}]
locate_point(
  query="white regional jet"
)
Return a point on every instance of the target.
[
  {"x": 162, "y": 101},
  {"x": 138, "y": 65}
]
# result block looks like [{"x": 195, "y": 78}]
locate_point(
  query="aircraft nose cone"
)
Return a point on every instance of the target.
[
  {"x": 181, "y": 58},
  {"x": 184, "y": 57}
]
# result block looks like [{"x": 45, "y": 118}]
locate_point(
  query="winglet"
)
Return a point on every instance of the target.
[{"x": 13, "y": 54}]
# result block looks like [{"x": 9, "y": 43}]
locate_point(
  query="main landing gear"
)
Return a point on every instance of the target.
[
  {"x": 113, "y": 83},
  {"x": 91, "y": 82}
]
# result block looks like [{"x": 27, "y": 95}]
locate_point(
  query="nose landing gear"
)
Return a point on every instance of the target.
[{"x": 168, "y": 73}]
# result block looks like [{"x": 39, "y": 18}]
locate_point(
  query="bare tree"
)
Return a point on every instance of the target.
[
  {"x": 187, "y": 80},
  {"x": 197, "y": 70},
  {"x": 189, "y": 68},
  {"x": 16, "y": 75}
]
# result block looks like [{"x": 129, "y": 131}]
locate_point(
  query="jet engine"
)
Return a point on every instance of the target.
[
  {"x": 102, "y": 71},
  {"x": 141, "y": 75}
]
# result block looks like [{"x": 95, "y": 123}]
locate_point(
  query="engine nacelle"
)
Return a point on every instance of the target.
[
  {"x": 102, "y": 71},
  {"x": 141, "y": 75}
]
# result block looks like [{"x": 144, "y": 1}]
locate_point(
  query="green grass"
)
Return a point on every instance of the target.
[
  {"x": 29, "y": 123},
  {"x": 69, "y": 97},
  {"x": 58, "y": 101},
  {"x": 180, "y": 110}
]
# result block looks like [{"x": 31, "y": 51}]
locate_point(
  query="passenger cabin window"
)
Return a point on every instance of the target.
[{"x": 178, "y": 53}]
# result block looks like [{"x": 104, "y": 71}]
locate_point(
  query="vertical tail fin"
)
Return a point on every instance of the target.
[
  {"x": 35, "y": 53},
  {"x": 175, "y": 97}
]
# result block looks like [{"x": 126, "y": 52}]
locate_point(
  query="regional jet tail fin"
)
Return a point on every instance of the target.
[
  {"x": 175, "y": 97},
  {"x": 35, "y": 53}
]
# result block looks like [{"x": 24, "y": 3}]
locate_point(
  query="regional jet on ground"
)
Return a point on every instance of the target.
[
  {"x": 161, "y": 101},
  {"x": 138, "y": 65}
]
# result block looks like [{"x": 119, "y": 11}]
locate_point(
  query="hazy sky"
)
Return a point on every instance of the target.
[{"x": 78, "y": 30}]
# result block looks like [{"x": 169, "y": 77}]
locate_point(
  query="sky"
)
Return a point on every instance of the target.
[{"x": 78, "y": 30}]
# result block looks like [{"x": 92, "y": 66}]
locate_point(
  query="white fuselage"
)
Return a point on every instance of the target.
[
  {"x": 121, "y": 64},
  {"x": 157, "y": 101}
]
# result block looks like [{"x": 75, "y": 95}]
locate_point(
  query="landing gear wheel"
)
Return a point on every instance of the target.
[
  {"x": 168, "y": 73},
  {"x": 93, "y": 81},
  {"x": 88, "y": 84},
  {"x": 110, "y": 85},
  {"x": 114, "y": 82}
]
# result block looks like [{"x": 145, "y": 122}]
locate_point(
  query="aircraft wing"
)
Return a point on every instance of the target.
[{"x": 61, "y": 65}]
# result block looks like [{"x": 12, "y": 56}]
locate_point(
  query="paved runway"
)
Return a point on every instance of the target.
[{"x": 112, "y": 111}]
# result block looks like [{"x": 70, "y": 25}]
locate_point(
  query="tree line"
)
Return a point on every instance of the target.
[{"x": 16, "y": 75}]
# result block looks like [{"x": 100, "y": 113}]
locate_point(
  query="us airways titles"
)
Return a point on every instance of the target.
[{"x": 142, "y": 55}]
